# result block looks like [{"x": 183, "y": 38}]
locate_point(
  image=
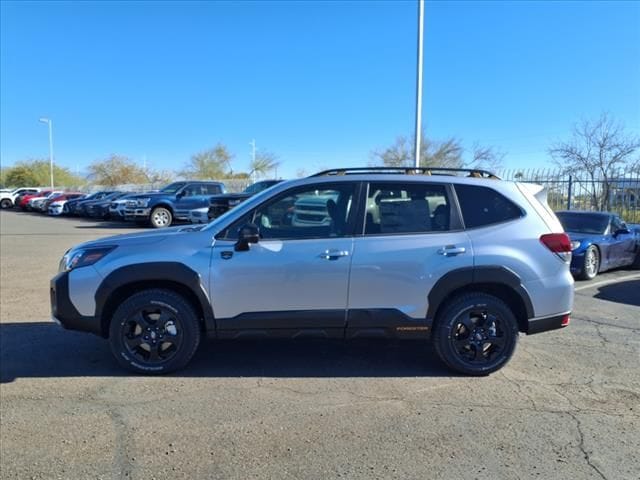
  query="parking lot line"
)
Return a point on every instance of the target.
[{"x": 605, "y": 282}]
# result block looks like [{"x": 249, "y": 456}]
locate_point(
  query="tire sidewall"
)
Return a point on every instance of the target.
[
  {"x": 585, "y": 275},
  {"x": 6, "y": 203},
  {"x": 166, "y": 299},
  {"x": 444, "y": 331}
]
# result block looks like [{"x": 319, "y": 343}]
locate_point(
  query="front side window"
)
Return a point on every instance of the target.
[
  {"x": 617, "y": 224},
  {"x": 319, "y": 211},
  {"x": 394, "y": 208},
  {"x": 483, "y": 206}
]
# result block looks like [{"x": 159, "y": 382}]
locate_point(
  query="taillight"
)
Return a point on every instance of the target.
[
  {"x": 565, "y": 320},
  {"x": 558, "y": 243}
]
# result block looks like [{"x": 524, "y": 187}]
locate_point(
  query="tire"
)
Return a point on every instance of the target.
[
  {"x": 591, "y": 264},
  {"x": 476, "y": 334},
  {"x": 160, "y": 217},
  {"x": 636, "y": 263},
  {"x": 6, "y": 203},
  {"x": 154, "y": 332}
]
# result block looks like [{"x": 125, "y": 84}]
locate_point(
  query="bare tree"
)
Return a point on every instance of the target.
[
  {"x": 599, "y": 148},
  {"x": 263, "y": 163},
  {"x": 116, "y": 170},
  {"x": 209, "y": 164},
  {"x": 447, "y": 153},
  {"x": 487, "y": 158}
]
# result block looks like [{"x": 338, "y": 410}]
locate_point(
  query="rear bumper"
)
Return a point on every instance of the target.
[
  {"x": 544, "y": 324},
  {"x": 63, "y": 310}
]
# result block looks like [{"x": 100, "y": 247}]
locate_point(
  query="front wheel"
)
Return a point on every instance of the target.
[
  {"x": 160, "y": 217},
  {"x": 591, "y": 264},
  {"x": 6, "y": 203},
  {"x": 476, "y": 334},
  {"x": 154, "y": 331}
]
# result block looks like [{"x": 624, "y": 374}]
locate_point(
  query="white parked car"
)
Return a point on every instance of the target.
[
  {"x": 36, "y": 202},
  {"x": 199, "y": 215},
  {"x": 55, "y": 208},
  {"x": 8, "y": 197}
]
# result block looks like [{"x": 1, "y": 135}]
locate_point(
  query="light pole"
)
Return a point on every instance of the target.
[
  {"x": 419, "y": 82},
  {"x": 50, "y": 123}
]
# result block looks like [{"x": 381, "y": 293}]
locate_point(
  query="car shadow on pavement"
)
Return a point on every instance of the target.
[
  {"x": 624, "y": 292},
  {"x": 110, "y": 224},
  {"x": 43, "y": 349}
]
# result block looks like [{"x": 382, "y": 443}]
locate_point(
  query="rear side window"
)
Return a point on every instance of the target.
[
  {"x": 484, "y": 206},
  {"x": 211, "y": 189},
  {"x": 394, "y": 208}
]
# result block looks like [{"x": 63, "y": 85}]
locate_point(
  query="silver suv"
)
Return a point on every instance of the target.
[{"x": 456, "y": 256}]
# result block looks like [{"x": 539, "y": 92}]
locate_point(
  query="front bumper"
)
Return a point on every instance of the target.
[
  {"x": 136, "y": 213},
  {"x": 63, "y": 310}
]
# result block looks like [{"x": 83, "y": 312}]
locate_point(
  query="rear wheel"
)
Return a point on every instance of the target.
[
  {"x": 591, "y": 264},
  {"x": 636, "y": 262},
  {"x": 154, "y": 332},
  {"x": 476, "y": 334},
  {"x": 6, "y": 203},
  {"x": 160, "y": 217}
]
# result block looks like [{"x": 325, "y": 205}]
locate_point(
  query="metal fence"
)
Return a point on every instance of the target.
[{"x": 618, "y": 192}]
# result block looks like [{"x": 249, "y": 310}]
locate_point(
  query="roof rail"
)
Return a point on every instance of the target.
[{"x": 471, "y": 172}]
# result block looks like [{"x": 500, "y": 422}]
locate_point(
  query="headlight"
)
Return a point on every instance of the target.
[
  {"x": 84, "y": 257},
  {"x": 575, "y": 245},
  {"x": 142, "y": 202}
]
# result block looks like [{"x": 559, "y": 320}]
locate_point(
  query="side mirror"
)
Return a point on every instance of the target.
[
  {"x": 180, "y": 194},
  {"x": 621, "y": 231},
  {"x": 249, "y": 233}
]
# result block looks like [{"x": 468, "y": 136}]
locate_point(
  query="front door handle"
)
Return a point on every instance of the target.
[
  {"x": 333, "y": 254},
  {"x": 451, "y": 251}
]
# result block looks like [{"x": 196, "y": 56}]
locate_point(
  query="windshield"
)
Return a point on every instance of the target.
[
  {"x": 584, "y": 223},
  {"x": 173, "y": 187},
  {"x": 258, "y": 187}
]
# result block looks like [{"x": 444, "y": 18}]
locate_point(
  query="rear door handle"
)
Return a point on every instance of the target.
[
  {"x": 333, "y": 254},
  {"x": 451, "y": 251}
]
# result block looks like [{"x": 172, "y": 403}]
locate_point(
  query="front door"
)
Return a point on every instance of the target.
[
  {"x": 296, "y": 277},
  {"x": 622, "y": 248}
]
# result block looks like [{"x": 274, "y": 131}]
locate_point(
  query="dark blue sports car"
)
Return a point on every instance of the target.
[{"x": 600, "y": 241}]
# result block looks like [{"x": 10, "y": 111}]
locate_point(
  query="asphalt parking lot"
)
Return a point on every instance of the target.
[{"x": 567, "y": 406}]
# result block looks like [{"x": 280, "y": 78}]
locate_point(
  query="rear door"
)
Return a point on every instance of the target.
[{"x": 411, "y": 237}]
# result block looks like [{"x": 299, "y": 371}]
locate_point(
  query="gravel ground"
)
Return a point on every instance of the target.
[{"x": 567, "y": 406}]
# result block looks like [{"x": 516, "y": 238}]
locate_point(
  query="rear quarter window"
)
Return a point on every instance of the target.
[{"x": 483, "y": 206}]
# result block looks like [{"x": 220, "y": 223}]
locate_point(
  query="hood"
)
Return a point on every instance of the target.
[
  {"x": 230, "y": 196},
  {"x": 579, "y": 236},
  {"x": 143, "y": 238},
  {"x": 149, "y": 195}
]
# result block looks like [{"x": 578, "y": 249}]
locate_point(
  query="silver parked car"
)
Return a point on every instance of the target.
[{"x": 456, "y": 256}]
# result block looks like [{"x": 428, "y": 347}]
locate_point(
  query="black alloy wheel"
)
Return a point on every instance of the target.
[
  {"x": 476, "y": 334},
  {"x": 152, "y": 334},
  {"x": 154, "y": 331}
]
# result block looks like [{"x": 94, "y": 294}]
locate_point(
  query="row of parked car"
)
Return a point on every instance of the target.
[{"x": 187, "y": 201}]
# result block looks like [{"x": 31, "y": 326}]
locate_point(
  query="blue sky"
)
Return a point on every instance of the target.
[{"x": 318, "y": 83}]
